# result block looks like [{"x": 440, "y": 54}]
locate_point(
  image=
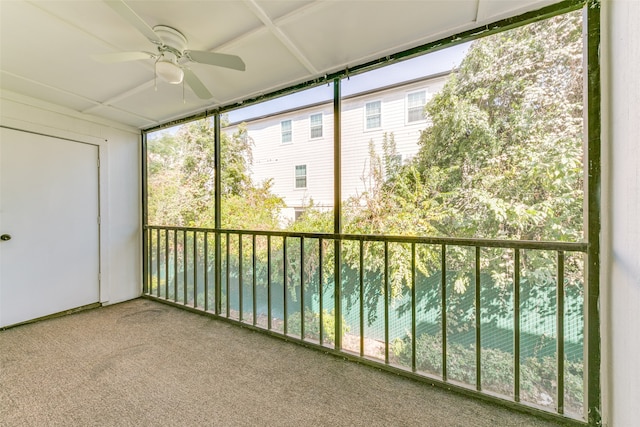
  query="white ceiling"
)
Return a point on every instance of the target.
[{"x": 46, "y": 47}]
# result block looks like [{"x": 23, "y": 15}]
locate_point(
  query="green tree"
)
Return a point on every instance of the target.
[
  {"x": 504, "y": 155},
  {"x": 181, "y": 180}
]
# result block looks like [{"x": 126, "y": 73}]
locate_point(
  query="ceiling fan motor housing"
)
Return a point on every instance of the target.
[
  {"x": 174, "y": 43},
  {"x": 173, "y": 39}
]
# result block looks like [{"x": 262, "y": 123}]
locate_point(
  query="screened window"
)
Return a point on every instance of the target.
[
  {"x": 315, "y": 125},
  {"x": 415, "y": 106},
  {"x": 301, "y": 176},
  {"x": 373, "y": 115},
  {"x": 286, "y": 131}
]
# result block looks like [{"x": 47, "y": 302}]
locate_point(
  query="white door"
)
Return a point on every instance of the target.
[{"x": 49, "y": 207}]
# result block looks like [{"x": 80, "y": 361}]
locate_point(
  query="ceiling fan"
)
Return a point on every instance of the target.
[{"x": 171, "y": 54}]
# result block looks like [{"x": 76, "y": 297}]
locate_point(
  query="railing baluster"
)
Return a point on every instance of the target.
[
  {"x": 516, "y": 325},
  {"x": 158, "y": 276},
  {"x": 387, "y": 296},
  {"x": 284, "y": 283},
  {"x": 146, "y": 232},
  {"x": 443, "y": 296},
  {"x": 218, "y": 273},
  {"x": 361, "y": 280},
  {"x": 320, "y": 289},
  {"x": 269, "y": 282},
  {"x": 195, "y": 269},
  {"x": 301, "y": 288},
  {"x": 413, "y": 308},
  {"x": 184, "y": 267},
  {"x": 240, "y": 279},
  {"x": 166, "y": 264},
  {"x": 228, "y": 279},
  {"x": 337, "y": 292},
  {"x": 206, "y": 270},
  {"x": 175, "y": 265},
  {"x": 560, "y": 331},
  {"x": 253, "y": 264},
  {"x": 478, "y": 323},
  {"x": 150, "y": 262}
]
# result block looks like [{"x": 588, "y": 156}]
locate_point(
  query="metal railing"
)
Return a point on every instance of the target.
[{"x": 499, "y": 318}]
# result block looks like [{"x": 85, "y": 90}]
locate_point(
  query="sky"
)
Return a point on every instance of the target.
[
  {"x": 421, "y": 66},
  {"x": 410, "y": 69}
]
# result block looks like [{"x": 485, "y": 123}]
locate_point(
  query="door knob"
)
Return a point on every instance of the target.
[{"x": 5, "y": 237}]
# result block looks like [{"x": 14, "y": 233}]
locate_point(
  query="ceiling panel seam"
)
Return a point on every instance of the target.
[
  {"x": 281, "y": 36},
  {"x": 57, "y": 89},
  {"x": 120, "y": 96},
  {"x": 41, "y": 104},
  {"x": 75, "y": 27},
  {"x": 80, "y": 97}
]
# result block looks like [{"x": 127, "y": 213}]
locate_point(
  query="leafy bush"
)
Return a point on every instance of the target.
[
  {"x": 538, "y": 382},
  {"x": 311, "y": 325}
]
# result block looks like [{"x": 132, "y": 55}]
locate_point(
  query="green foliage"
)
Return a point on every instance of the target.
[
  {"x": 537, "y": 374},
  {"x": 312, "y": 323},
  {"x": 181, "y": 180},
  {"x": 504, "y": 154}
]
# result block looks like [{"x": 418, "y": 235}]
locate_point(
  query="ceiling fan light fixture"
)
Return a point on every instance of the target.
[{"x": 169, "y": 71}]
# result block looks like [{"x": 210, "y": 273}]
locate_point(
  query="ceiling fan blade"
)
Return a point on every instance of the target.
[
  {"x": 219, "y": 59},
  {"x": 196, "y": 84},
  {"x": 109, "y": 58},
  {"x": 129, "y": 15}
]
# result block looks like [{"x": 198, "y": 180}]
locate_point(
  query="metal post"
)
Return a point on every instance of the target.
[
  {"x": 478, "y": 323},
  {"x": 240, "y": 280},
  {"x": 217, "y": 212},
  {"x": 320, "y": 290},
  {"x": 516, "y": 325},
  {"x": 269, "y": 282},
  {"x": 158, "y": 262},
  {"x": 387, "y": 296},
  {"x": 166, "y": 264},
  {"x": 284, "y": 283},
  {"x": 184, "y": 266},
  {"x": 253, "y": 282},
  {"x": 560, "y": 332},
  {"x": 301, "y": 288},
  {"x": 592, "y": 320},
  {"x": 443, "y": 296},
  {"x": 206, "y": 271},
  {"x": 413, "y": 308},
  {"x": 361, "y": 280},
  {"x": 337, "y": 209},
  {"x": 175, "y": 265},
  {"x": 195, "y": 269}
]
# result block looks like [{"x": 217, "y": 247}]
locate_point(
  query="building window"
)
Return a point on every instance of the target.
[
  {"x": 315, "y": 125},
  {"x": 415, "y": 106},
  {"x": 298, "y": 212},
  {"x": 373, "y": 115},
  {"x": 301, "y": 176},
  {"x": 286, "y": 131}
]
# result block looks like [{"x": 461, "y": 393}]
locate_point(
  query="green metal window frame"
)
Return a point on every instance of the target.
[{"x": 591, "y": 10}]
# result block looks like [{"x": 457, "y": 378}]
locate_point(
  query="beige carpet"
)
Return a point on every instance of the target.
[{"x": 142, "y": 363}]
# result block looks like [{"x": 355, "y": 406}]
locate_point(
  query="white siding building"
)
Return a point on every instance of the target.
[{"x": 295, "y": 147}]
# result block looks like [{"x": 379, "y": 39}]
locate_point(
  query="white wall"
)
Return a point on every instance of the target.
[
  {"x": 620, "y": 291},
  {"x": 119, "y": 148}
]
